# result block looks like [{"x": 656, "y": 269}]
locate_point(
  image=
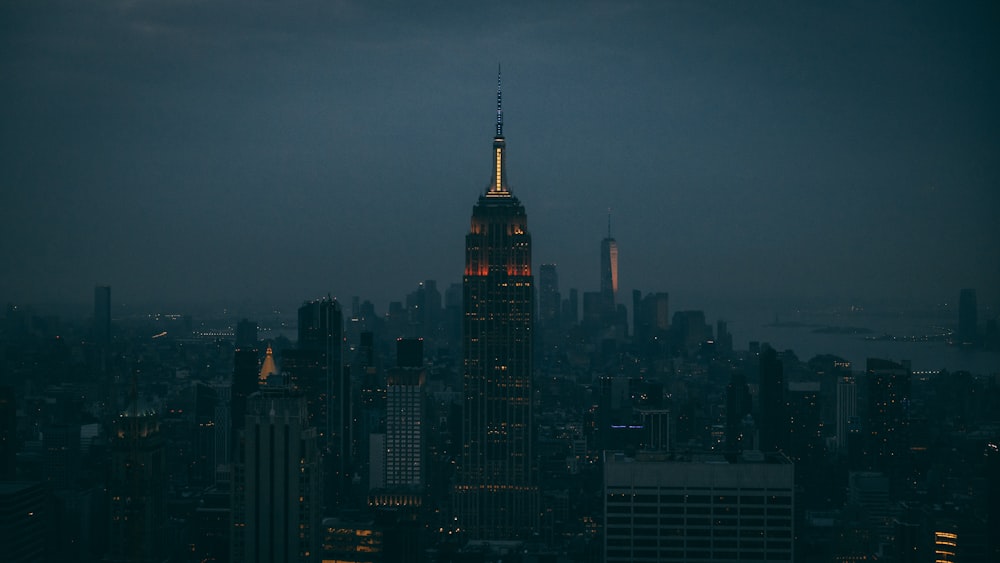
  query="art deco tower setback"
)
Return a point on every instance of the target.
[{"x": 497, "y": 495}]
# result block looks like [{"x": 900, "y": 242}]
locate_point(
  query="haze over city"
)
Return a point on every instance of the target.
[
  {"x": 233, "y": 151},
  {"x": 561, "y": 282}
]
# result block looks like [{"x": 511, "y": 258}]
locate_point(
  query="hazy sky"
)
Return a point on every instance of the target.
[{"x": 191, "y": 150}]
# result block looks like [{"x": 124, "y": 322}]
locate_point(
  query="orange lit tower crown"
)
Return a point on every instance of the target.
[{"x": 497, "y": 494}]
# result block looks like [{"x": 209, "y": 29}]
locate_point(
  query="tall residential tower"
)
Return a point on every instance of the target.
[{"x": 497, "y": 494}]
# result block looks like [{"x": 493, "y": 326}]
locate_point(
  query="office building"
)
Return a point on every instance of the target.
[
  {"x": 316, "y": 369},
  {"x": 277, "y": 483},
  {"x": 571, "y": 309},
  {"x": 246, "y": 334},
  {"x": 690, "y": 331},
  {"x": 136, "y": 486},
  {"x": 888, "y": 394},
  {"x": 650, "y": 316},
  {"x": 496, "y": 496},
  {"x": 847, "y": 409},
  {"x": 398, "y": 468},
  {"x": 246, "y": 369},
  {"x": 549, "y": 301},
  {"x": 773, "y": 415},
  {"x": 739, "y": 405},
  {"x": 698, "y": 509},
  {"x": 805, "y": 429}
]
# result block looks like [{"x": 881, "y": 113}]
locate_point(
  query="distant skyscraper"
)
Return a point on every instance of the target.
[
  {"x": 609, "y": 271},
  {"x": 773, "y": 406},
  {"x": 317, "y": 371},
  {"x": 424, "y": 309},
  {"x": 549, "y": 305},
  {"x": 847, "y": 410},
  {"x": 690, "y": 330},
  {"x": 571, "y": 309},
  {"x": 223, "y": 433},
  {"x": 888, "y": 392},
  {"x": 804, "y": 426},
  {"x": 400, "y": 461},
  {"x": 276, "y": 499},
  {"x": 723, "y": 338},
  {"x": 246, "y": 334},
  {"x": 245, "y": 371},
  {"x": 738, "y": 405},
  {"x": 968, "y": 318},
  {"x": 650, "y": 315},
  {"x": 102, "y": 315},
  {"x": 497, "y": 496}
]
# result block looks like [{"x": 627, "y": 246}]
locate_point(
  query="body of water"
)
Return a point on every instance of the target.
[{"x": 887, "y": 336}]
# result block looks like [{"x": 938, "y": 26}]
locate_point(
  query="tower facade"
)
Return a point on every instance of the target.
[
  {"x": 847, "y": 409},
  {"x": 316, "y": 370},
  {"x": 277, "y": 496},
  {"x": 773, "y": 407},
  {"x": 497, "y": 495},
  {"x": 659, "y": 508},
  {"x": 888, "y": 398},
  {"x": 136, "y": 486},
  {"x": 405, "y": 469},
  {"x": 549, "y": 302}
]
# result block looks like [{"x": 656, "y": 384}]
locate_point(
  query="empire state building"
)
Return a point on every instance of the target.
[{"x": 496, "y": 497}]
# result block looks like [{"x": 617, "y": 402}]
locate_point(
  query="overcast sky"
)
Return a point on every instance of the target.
[{"x": 190, "y": 150}]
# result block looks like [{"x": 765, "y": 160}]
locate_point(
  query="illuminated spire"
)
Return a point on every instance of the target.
[
  {"x": 499, "y": 106},
  {"x": 498, "y": 175},
  {"x": 268, "y": 368},
  {"x": 609, "y": 222}
]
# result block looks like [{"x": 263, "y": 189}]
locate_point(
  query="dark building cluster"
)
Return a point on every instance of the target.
[{"x": 493, "y": 422}]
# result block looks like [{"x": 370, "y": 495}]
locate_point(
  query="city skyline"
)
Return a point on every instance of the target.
[
  {"x": 489, "y": 420},
  {"x": 770, "y": 151}
]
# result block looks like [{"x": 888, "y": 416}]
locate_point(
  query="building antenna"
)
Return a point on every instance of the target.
[{"x": 499, "y": 106}]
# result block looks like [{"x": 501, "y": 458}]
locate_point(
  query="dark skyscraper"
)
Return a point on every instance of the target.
[
  {"x": 246, "y": 334},
  {"x": 245, "y": 370},
  {"x": 549, "y": 302},
  {"x": 739, "y": 404},
  {"x": 888, "y": 394},
  {"x": 571, "y": 309},
  {"x": 773, "y": 407},
  {"x": 136, "y": 487},
  {"x": 497, "y": 496},
  {"x": 276, "y": 514},
  {"x": 650, "y": 315},
  {"x": 316, "y": 370}
]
